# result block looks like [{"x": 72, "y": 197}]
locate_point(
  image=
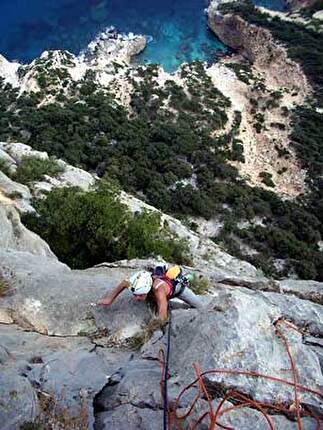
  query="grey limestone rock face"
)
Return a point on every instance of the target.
[
  {"x": 15, "y": 236},
  {"x": 74, "y": 376},
  {"x": 5, "y": 156},
  {"x": 308, "y": 290},
  {"x": 246, "y": 418},
  {"x": 303, "y": 313},
  {"x": 18, "y": 402},
  {"x": 236, "y": 331},
  {"x": 71, "y": 371},
  {"x": 48, "y": 297},
  {"x": 69, "y": 350},
  {"x": 19, "y": 150},
  {"x": 136, "y": 384},
  {"x": 128, "y": 417},
  {"x": 8, "y": 186},
  {"x": 131, "y": 399},
  {"x": 133, "y": 392},
  {"x": 70, "y": 176}
]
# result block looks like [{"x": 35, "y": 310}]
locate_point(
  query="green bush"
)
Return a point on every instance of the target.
[
  {"x": 199, "y": 285},
  {"x": 237, "y": 151},
  {"x": 266, "y": 178},
  {"x": 4, "y": 166},
  {"x": 32, "y": 169},
  {"x": 307, "y": 138},
  {"x": 242, "y": 71},
  {"x": 84, "y": 229}
]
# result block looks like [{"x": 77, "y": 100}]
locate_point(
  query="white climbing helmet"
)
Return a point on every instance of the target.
[{"x": 140, "y": 283}]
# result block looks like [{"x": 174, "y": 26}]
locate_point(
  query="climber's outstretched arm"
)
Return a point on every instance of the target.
[{"x": 108, "y": 299}]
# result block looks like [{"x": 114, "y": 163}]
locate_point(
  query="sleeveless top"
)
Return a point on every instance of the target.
[{"x": 158, "y": 281}]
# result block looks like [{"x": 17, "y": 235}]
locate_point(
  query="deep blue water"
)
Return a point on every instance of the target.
[{"x": 178, "y": 27}]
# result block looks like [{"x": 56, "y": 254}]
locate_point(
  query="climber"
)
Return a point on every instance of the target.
[{"x": 157, "y": 289}]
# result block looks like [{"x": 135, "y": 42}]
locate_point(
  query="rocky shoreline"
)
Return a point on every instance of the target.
[
  {"x": 256, "y": 44},
  {"x": 107, "y": 49}
]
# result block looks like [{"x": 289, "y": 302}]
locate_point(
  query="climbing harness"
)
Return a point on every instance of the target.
[{"x": 174, "y": 278}]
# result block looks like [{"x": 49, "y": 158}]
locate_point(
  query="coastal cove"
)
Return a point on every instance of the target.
[{"x": 176, "y": 30}]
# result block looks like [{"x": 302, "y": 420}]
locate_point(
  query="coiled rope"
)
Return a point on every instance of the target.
[{"x": 172, "y": 420}]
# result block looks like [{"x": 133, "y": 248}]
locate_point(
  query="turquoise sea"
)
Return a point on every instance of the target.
[{"x": 177, "y": 28}]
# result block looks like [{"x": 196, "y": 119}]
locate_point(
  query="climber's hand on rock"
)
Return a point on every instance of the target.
[{"x": 105, "y": 302}]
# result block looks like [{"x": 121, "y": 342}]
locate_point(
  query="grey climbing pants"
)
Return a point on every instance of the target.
[{"x": 191, "y": 298}]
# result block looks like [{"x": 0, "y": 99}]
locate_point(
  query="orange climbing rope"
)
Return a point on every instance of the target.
[
  {"x": 175, "y": 420},
  {"x": 293, "y": 368}
]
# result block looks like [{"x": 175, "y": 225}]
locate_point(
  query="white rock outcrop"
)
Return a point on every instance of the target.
[
  {"x": 14, "y": 236},
  {"x": 8, "y": 71},
  {"x": 102, "y": 54}
]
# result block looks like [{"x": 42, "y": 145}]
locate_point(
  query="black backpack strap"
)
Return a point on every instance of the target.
[
  {"x": 183, "y": 282},
  {"x": 183, "y": 286}
]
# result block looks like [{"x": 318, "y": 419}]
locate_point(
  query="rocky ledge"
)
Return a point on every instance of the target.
[{"x": 110, "y": 45}]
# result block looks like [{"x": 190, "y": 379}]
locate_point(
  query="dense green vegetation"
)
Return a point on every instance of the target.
[
  {"x": 153, "y": 152},
  {"x": 307, "y": 138},
  {"x": 87, "y": 228},
  {"x": 163, "y": 152},
  {"x": 266, "y": 178},
  {"x": 32, "y": 169},
  {"x": 4, "y": 166}
]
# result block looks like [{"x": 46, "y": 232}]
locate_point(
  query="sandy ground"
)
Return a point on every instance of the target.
[{"x": 259, "y": 148}]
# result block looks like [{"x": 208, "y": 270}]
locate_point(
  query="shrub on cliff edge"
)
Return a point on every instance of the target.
[
  {"x": 87, "y": 228},
  {"x": 32, "y": 169}
]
